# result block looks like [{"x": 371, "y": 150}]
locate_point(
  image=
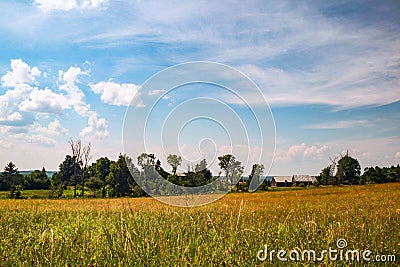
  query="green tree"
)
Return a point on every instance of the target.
[
  {"x": 13, "y": 179},
  {"x": 56, "y": 185},
  {"x": 325, "y": 176},
  {"x": 145, "y": 160},
  {"x": 348, "y": 170},
  {"x": 69, "y": 170},
  {"x": 203, "y": 175},
  {"x": 120, "y": 178},
  {"x": 232, "y": 168},
  {"x": 257, "y": 171},
  {"x": 174, "y": 161},
  {"x": 37, "y": 180},
  {"x": 94, "y": 183},
  {"x": 101, "y": 169}
]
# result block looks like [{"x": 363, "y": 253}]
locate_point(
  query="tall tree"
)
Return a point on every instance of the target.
[
  {"x": 13, "y": 179},
  {"x": 120, "y": 178},
  {"x": 101, "y": 170},
  {"x": 324, "y": 177},
  {"x": 76, "y": 148},
  {"x": 174, "y": 161},
  {"x": 348, "y": 170},
  {"x": 257, "y": 171},
  {"x": 232, "y": 167},
  {"x": 86, "y": 157}
]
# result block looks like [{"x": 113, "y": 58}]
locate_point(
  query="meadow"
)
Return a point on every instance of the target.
[{"x": 228, "y": 232}]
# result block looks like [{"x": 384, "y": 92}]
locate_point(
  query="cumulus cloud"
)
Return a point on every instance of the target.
[
  {"x": 21, "y": 105},
  {"x": 67, "y": 5},
  {"x": 306, "y": 152},
  {"x": 9, "y": 103},
  {"x": 75, "y": 95},
  {"x": 97, "y": 128},
  {"x": 156, "y": 92},
  {"x": 20, "y": 73},
  {"x": 44, "y": 101},
  {"x": 16, "y": 116},
  {"x": 118, "y": 94},
  {"x": 41, "y": 139},
  {"x": 54, "y": 128}
]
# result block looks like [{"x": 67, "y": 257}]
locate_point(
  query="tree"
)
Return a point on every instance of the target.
[
  {"x": 13, "y": 179},
  {"x": 86, "y": 157},
  {"x": 204, "y": 174},
  {"x": 348, "y": 170},
  {"x": 76, "y": 148},
  {"x": 325, "y": 176},
  {"x": 120, "y": 178},
  {"x": 232, "y": 168},
  {"x": 145, "y": 160},
  {"x": 94, "y": 183},
  {"x": 37, "y": 180},
  {"x": 175, "y": 161},
  {"x": 257, "y": 171},
  {"x": 56, "y": 185},
  {"x": 101, "y": 169}
]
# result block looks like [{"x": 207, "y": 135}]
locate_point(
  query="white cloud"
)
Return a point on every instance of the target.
[
  {"x": 96, "y": 128},
  {"x": 54, "y": 128},
  {"x": 156, "y": 92},
  {"x": 75, "y": 95},
  {"x": 20, "y": 73},
  {"x": 40, "y": 139},
  {"x": 9, "y": 103},
  {"x": 303, "y": 152},
  {"x": 397, "y": 155},
  {"x": 44, "y": 101},
  {"x": 118, "y": 94},
  {"x": 66, "y": 5},
  {"x": 339, "y": 124},
  {"x": 16, "y": 116}
]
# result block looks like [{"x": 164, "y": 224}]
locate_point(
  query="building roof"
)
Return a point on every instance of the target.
[
  {"x": 303, "y": 178},
  {"x": 282, "y": 179}
]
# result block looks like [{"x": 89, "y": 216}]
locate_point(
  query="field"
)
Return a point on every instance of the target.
[{"x": 229, "y": 232}]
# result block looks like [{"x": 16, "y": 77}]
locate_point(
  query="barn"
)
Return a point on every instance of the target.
[
  {"x": 281, "y": 181},
  {"x": 303, "y": 179}
]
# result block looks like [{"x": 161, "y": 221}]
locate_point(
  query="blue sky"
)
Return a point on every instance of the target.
[{"x": 329, "y": 70}]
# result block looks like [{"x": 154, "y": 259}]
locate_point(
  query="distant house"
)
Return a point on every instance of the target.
[
  {"x": 294, "y": 180},
  {"x": 281, "y": 181},
  {"x": 303, "y": 179}
]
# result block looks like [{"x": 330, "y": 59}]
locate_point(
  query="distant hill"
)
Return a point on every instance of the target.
[{"x": 49, "y": 173}]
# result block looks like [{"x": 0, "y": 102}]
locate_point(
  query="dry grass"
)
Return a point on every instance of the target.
[{"x": 228, "y": 232}]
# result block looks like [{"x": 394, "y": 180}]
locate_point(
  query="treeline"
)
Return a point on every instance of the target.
[
  {"x": 108, "y": 178},
  {"x": 11, "y": 180},
  {"x": 346, "y": 170}
]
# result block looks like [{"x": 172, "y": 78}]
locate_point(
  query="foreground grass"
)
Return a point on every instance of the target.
[{"x": 229, "y": 232}]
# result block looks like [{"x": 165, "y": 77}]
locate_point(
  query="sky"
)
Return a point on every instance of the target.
[{"x": 329, "y": 71}]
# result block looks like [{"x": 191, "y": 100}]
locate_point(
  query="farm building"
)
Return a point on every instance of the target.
[
  {"x": 303, "y": 179},
  {"x": 294, "y": 180},
  {"x": 281, "y": 181}
]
